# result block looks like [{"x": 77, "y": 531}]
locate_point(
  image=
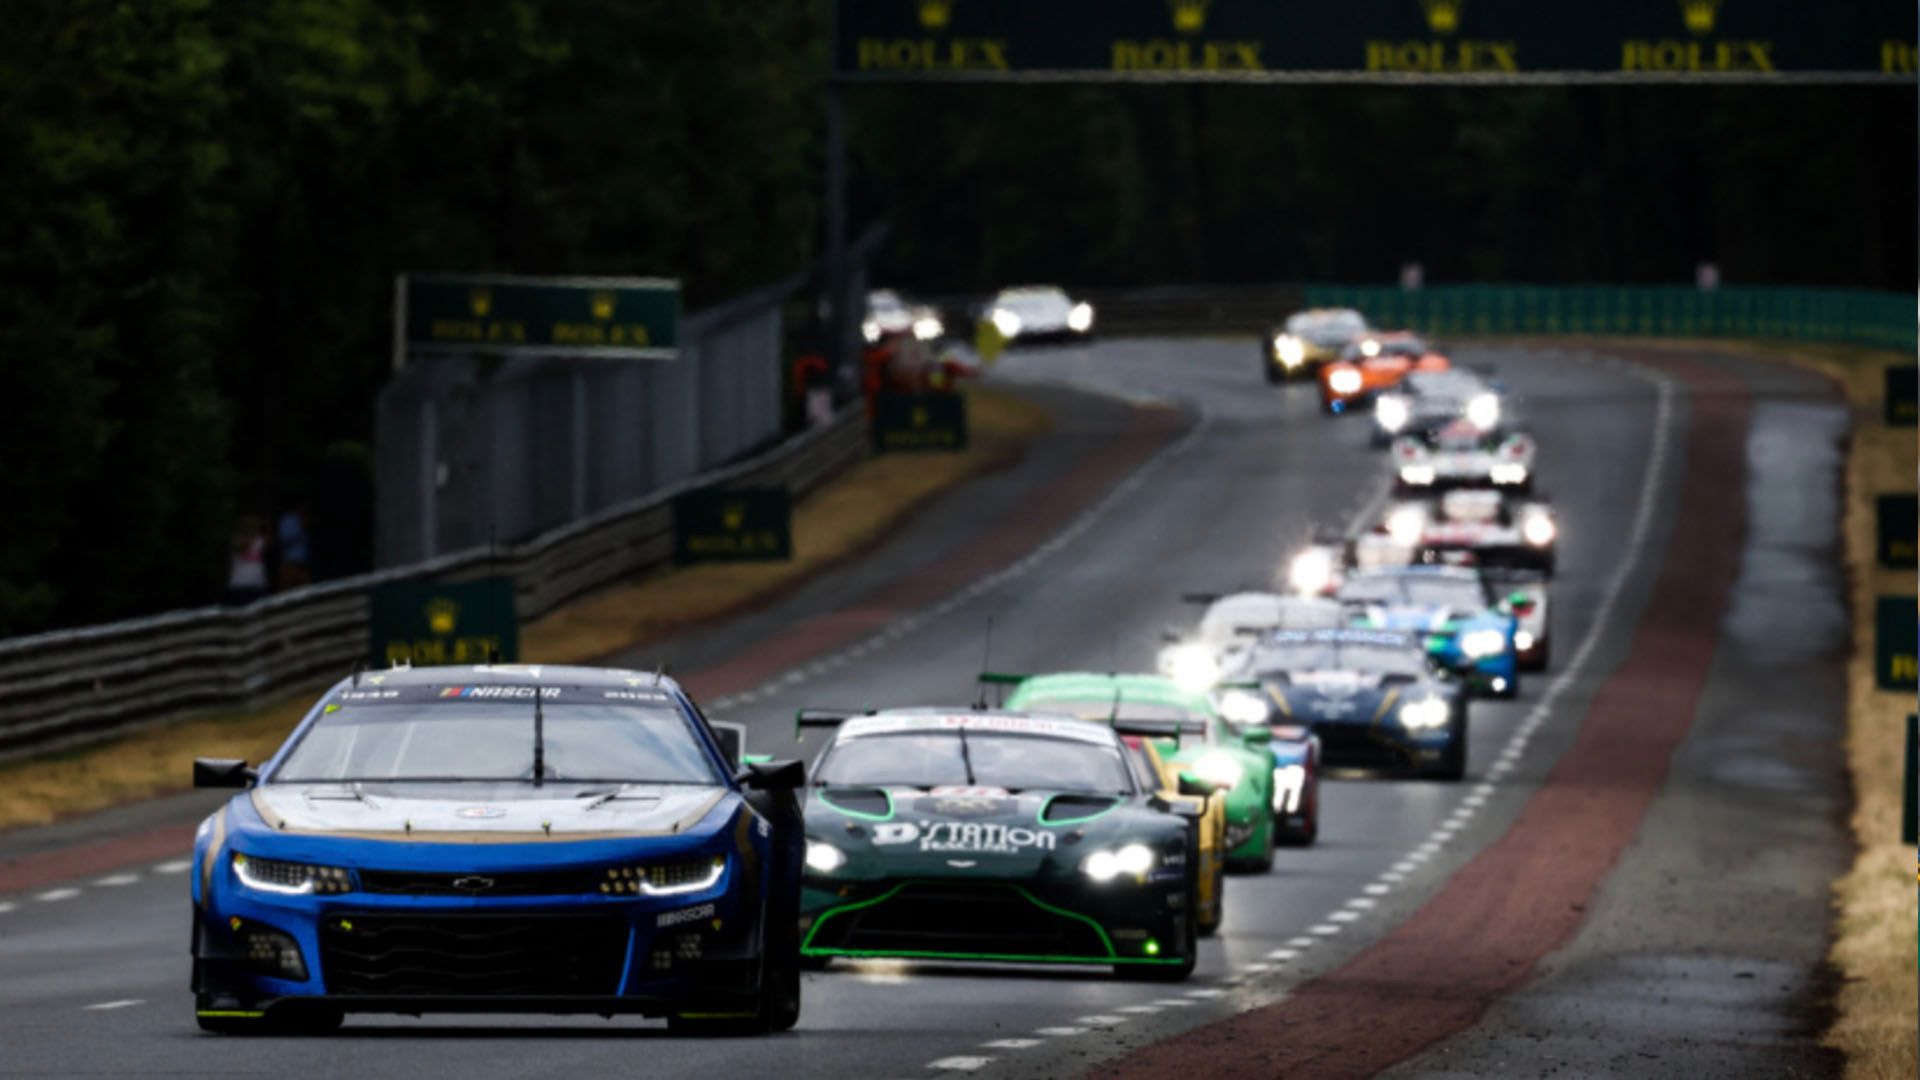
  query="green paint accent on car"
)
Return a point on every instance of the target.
[
  {"x": 1249, "y": 802},
  {"x": 827, "y": 800}
]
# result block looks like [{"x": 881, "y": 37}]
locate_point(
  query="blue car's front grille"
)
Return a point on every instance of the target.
[
  {"x": 517, "y": 883},
  {"x": 459, "y": 955}
]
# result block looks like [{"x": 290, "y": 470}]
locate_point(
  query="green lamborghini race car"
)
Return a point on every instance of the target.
[
  {"x": 1239, "y": 760},
  {"x": 993, "y": 836}
]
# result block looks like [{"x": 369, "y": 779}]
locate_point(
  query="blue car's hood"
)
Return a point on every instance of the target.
[{"x": 483, "y": 813}]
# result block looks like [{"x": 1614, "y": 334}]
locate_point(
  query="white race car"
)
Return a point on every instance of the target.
[
  {"x": 1473, "y": 526},
  {"x": 1232, "y": 623},
  {"x": 1428, "y": 400},
  {"x": 1040, "y": 313},
  {"x": 1462, "y": 455}
]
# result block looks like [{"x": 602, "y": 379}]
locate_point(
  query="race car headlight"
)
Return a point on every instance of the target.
[
  {"x": 1538, "y": 530},
  {"x": 269, "y": 951},
  {"x": 1424, "y": 714},
  {"x": 1291, "y": 350},
  {"x": 1134, "y": 860},
  {"x": 926, "y": 328},
  {"x": 1005, "y": 321},
  {"x": 824, "y": 858},
  {"x": 1479, "y": 643},
  {"x": 870, "y": 329},
  {"x": 1080, "y": 317},
  {"x": 1416, "y": 475},
  {"x": 1216, "y": 767},
  {"x": 1311, "y": 571},
  {"x": 1391, "y": 413},
  {"x": 1193, "y": 666},
  {"x": 1370, "y": 347},
  {"x": 290, "y": 878},
  {"x": 1245, "y": 708},
  {"x": 1483, "y": 411},
  {"x": 1289, "y": 783},
  {"x": 1344, "y": 381},
  {"x": 1405, "y": 525},
  {"x": 1508, "y": 473},
  {"x": 667, "y": 879},
  {"x": 1522, "y": 640}
]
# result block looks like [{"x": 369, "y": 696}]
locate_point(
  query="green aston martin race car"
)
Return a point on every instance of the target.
[
  {"x": 1238, "y": 760},
  {"x": 988, "y": 835}
]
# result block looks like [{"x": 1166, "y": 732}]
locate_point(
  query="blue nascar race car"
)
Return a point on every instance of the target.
[
  {"x": 500, "y": 839},
  {"x": 1371, "y": 697},
  {"x": 1466, "y": 630}
]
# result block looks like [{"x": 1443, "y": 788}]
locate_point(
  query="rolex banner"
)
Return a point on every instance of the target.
[
  {"x": 1253, "y": 40},
  {"x": 608, "y": 318},
  {"x": 913, "y": 422},
  {"x": 443, "y": 622},
  {"x": 1896, "y": 656},
  {"x": 740, "y": 525}
]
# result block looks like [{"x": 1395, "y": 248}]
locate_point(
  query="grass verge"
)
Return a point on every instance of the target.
[
  {"x": 1875, "y": 929},
  {"x": 839, "y": 520}
]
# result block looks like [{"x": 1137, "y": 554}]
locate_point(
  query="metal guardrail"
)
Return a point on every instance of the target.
[{"x": 69, "y": 686}]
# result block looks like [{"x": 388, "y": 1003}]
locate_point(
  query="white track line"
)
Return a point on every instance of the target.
[{"x": 123, "y": 1003}]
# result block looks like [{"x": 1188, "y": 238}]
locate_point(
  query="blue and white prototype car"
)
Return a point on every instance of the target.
[
  {"x": 1453, "y": 609},
  {"x": 500, "y": 839}
]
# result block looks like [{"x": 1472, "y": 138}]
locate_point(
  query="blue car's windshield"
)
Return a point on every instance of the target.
[
  {"x": 1283, "y": 658},
  {"x": 596, "y": 742},
  {"x": 924, "y": 759}
]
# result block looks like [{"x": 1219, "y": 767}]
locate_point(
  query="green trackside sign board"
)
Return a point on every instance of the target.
[
  {"x": 1896, "y": 643},
  {"x": 1379, "y": 40},
  {"x": 1903, "y": 395},
  {"x": 443, "y": 622},
  {"x": 609, "y": 318},
  {"x": 915, "y": 422},
  {"x": 738, "y": 525},
  {"x": 1899, "y": 520}
]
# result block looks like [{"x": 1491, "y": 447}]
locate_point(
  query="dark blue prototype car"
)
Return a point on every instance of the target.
[{"x": 500, "y": 839}]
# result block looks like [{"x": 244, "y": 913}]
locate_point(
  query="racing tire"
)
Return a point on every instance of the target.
[
  {"x": 1274, "y": 376},
  {"x": 1453, "y": 766},
  {"x": 1540, "y": 659}
]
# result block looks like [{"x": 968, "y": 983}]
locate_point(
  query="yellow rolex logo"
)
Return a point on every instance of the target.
[
  {"x": 1443, "y": 16},
  {"x": 1700, "y": 14},
  {"x": 480, "y": 302},
  {"x": 1189, "y": 16},
  {"x": 733, "y": 515},
  {"x": 919, "y": 416},
  {"x": 934, "y": 13},
  {"x": 602, "y": 305},
  {"x": 442, "y": 616}
]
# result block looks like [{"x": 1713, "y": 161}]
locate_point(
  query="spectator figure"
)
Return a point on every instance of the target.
[
  {"x": 247, "y": 569},
  {"x": 296, "y": 555}
]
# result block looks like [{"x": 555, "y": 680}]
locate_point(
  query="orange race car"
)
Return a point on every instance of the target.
[{"x": 1374, "y": 363}]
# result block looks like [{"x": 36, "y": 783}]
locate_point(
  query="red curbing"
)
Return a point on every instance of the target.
[
  {"x": 1043, "y": 512},
  {"x": 103, "y": 856},
  {"x": 1525, "y": 895}
]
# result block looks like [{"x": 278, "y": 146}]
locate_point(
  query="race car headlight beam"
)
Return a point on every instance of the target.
[
  {"x": 1344, "y": 381},
  {"x": 1391, "y": 413},
  {"x": 1482, "y": 643},
  {"x": 824, "y": 858},
  {"x": 1538, "y": 530},
  {"x": 290, "y": 878},
  {"x": 665, "y": 879},
  {"x": 1080, "y": 317},
  {"x": 1425, "y": 714},
  {"x": 1483, "y": 411},
  {"x": 1193, "y": 666},
  {"x": 1416, "y": 475},
  {"x": 1291, "y": 351},
  {"x": 1405, "y": 524},
  {"x": 1311, "y": 571},
  {"x": 1508, "y": 474},
  {"x": 1245, "y": 708},
  {"x": 1006, "y": 322},
  {"x": 927, "y": 328},
  {"x": 1133, "y": 860}
]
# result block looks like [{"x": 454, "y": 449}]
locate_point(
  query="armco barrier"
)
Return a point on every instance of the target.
[
  {"x": 70, "y": 685},
  {"x": 1850, "y": 316}
]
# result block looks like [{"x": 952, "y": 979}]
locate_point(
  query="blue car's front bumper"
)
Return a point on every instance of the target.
[
  {"x": 1382, "y": 744},
  {"x": 563, "y": 946}
]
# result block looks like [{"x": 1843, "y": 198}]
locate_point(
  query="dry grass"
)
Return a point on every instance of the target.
[
  {"x": 1875, "y": 939},
  {"x": 846, "y": 516}
]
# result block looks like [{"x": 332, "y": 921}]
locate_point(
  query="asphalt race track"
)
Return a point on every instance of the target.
[{"x": 1642, "y": 846}]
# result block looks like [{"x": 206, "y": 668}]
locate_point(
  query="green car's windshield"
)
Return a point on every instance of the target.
[
  {"x": 608, "y": 743},
  {"x": 929, "y": 759}
]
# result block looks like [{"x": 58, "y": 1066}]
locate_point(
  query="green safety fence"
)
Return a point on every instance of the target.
[{"x": 1852, "y": 316}]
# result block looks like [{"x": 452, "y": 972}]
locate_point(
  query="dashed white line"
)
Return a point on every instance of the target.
[
  {"x": 121, "y": 1004},
  {"x": 114, "y": 881},
  {"x": 1300, "y": 943},
  {"x": 1324, "y": 929},
  {"x": 960, "y": 1063},
  {"x": 1011, "y": 1044},
  {"x": 1173, "y": 1003},
  {"x": 1283, "y": 954},
  {"x": 1362, "y": 903},
  {"x": 51, "y": 895},
  {"x": 1343, "y": 916},
  {"x": 1139, "y": 1010},
  {"x": 1377, "y": 889},
  {"x": 1101, "y": 1020},
  {"x": 5, "y": 906},
  {"x": 1205, "y": 993},
  {"x": 1255, "y": 969},
  {"x": 1059, "y": 1032},
  {"x": 173, "y": 867}
]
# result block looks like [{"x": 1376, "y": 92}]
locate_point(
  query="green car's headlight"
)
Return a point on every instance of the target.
[
  {"x": 824, "y": 858},
  {"x": 290, "y": 878},
  {"x": 1133, "y": 860}
]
